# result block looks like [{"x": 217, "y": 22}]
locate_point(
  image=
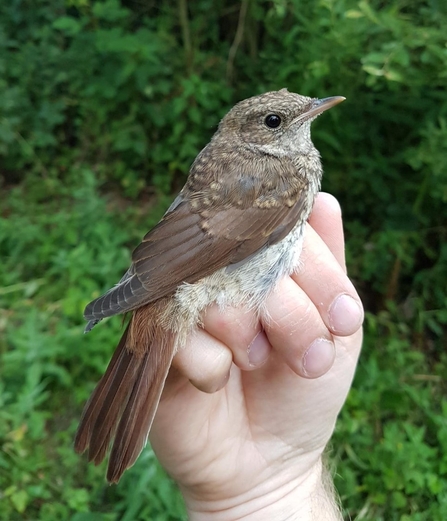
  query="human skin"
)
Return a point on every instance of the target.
[{"x": 251, "y": 403}]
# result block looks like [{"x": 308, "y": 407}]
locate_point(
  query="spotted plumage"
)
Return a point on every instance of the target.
[{"x": 233, "y": 231}]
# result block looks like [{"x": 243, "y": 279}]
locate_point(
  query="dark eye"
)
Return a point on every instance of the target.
[{"x": 272, "y": 121}]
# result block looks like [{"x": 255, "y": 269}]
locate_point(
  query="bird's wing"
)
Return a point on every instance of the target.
[
  {"x": 227, "y": 211},
  {"x": 186, "y": 246}
]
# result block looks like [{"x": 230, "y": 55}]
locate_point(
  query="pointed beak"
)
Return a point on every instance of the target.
[{"x": 318, "y": 106}]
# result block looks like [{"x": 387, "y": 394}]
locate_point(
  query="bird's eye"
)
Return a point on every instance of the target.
[{"x": 272, "y": 121}]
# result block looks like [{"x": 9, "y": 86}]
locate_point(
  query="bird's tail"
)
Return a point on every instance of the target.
[{"x": 121, "y": 409}]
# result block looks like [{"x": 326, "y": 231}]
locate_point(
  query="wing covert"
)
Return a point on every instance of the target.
[{"x": 184, "y": 247}]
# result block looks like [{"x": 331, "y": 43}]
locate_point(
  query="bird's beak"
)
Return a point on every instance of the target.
[{"x": 318, "y": 106}]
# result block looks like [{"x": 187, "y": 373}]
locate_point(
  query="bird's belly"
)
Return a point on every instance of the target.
[{"x": 248, "y": 284}]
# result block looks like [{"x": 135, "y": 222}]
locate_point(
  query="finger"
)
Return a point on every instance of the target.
[
  {"x": 326, "y": 220},
  {"x": 325, "y": 282},
  {"x": 296, "y": 331},
  {"x": 204, "y": 361},
  {"x": 240, "y": 330}
]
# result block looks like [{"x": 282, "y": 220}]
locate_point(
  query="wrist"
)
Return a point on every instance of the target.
[{"x": 279, "y": 498}]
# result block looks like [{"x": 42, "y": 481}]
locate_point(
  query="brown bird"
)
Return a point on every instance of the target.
[{"x": 233, "y": 231}]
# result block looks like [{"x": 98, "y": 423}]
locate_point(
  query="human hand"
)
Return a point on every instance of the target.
[{"x": 250, "y": 446}]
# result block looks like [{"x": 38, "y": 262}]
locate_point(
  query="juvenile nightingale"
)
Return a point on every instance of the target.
[{"x": 233, "y": 231}]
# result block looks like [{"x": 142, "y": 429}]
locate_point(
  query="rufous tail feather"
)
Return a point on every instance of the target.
[{"x": 121, "y": 409}]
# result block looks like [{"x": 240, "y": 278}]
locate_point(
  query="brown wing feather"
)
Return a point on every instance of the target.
[
  {"x": 162, "y": 262},
  {"x": 196, "y": 238}
]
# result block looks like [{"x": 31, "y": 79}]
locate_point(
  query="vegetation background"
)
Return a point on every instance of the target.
[{"x": 103, "y": 106}]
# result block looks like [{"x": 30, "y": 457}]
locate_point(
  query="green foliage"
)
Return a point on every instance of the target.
[
  {"x": 100, "y": 97},
  {"x": 94, "y": 84},
  {"x": 390, "y": 442},
  {"x": 59, "y": 247}
]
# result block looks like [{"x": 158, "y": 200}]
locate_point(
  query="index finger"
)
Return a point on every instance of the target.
[{"x": 327, "y": 222}]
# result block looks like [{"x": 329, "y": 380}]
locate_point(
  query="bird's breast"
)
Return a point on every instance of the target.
[{"x": 247, "y": 284}]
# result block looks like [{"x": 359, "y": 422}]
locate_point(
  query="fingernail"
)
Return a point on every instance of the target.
[
  {"x": 259, "y": 350},
  {"x": 318, "y": 359},
  {"x": 345, "y": 315},
  {"x": 211, "y": 386}
]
